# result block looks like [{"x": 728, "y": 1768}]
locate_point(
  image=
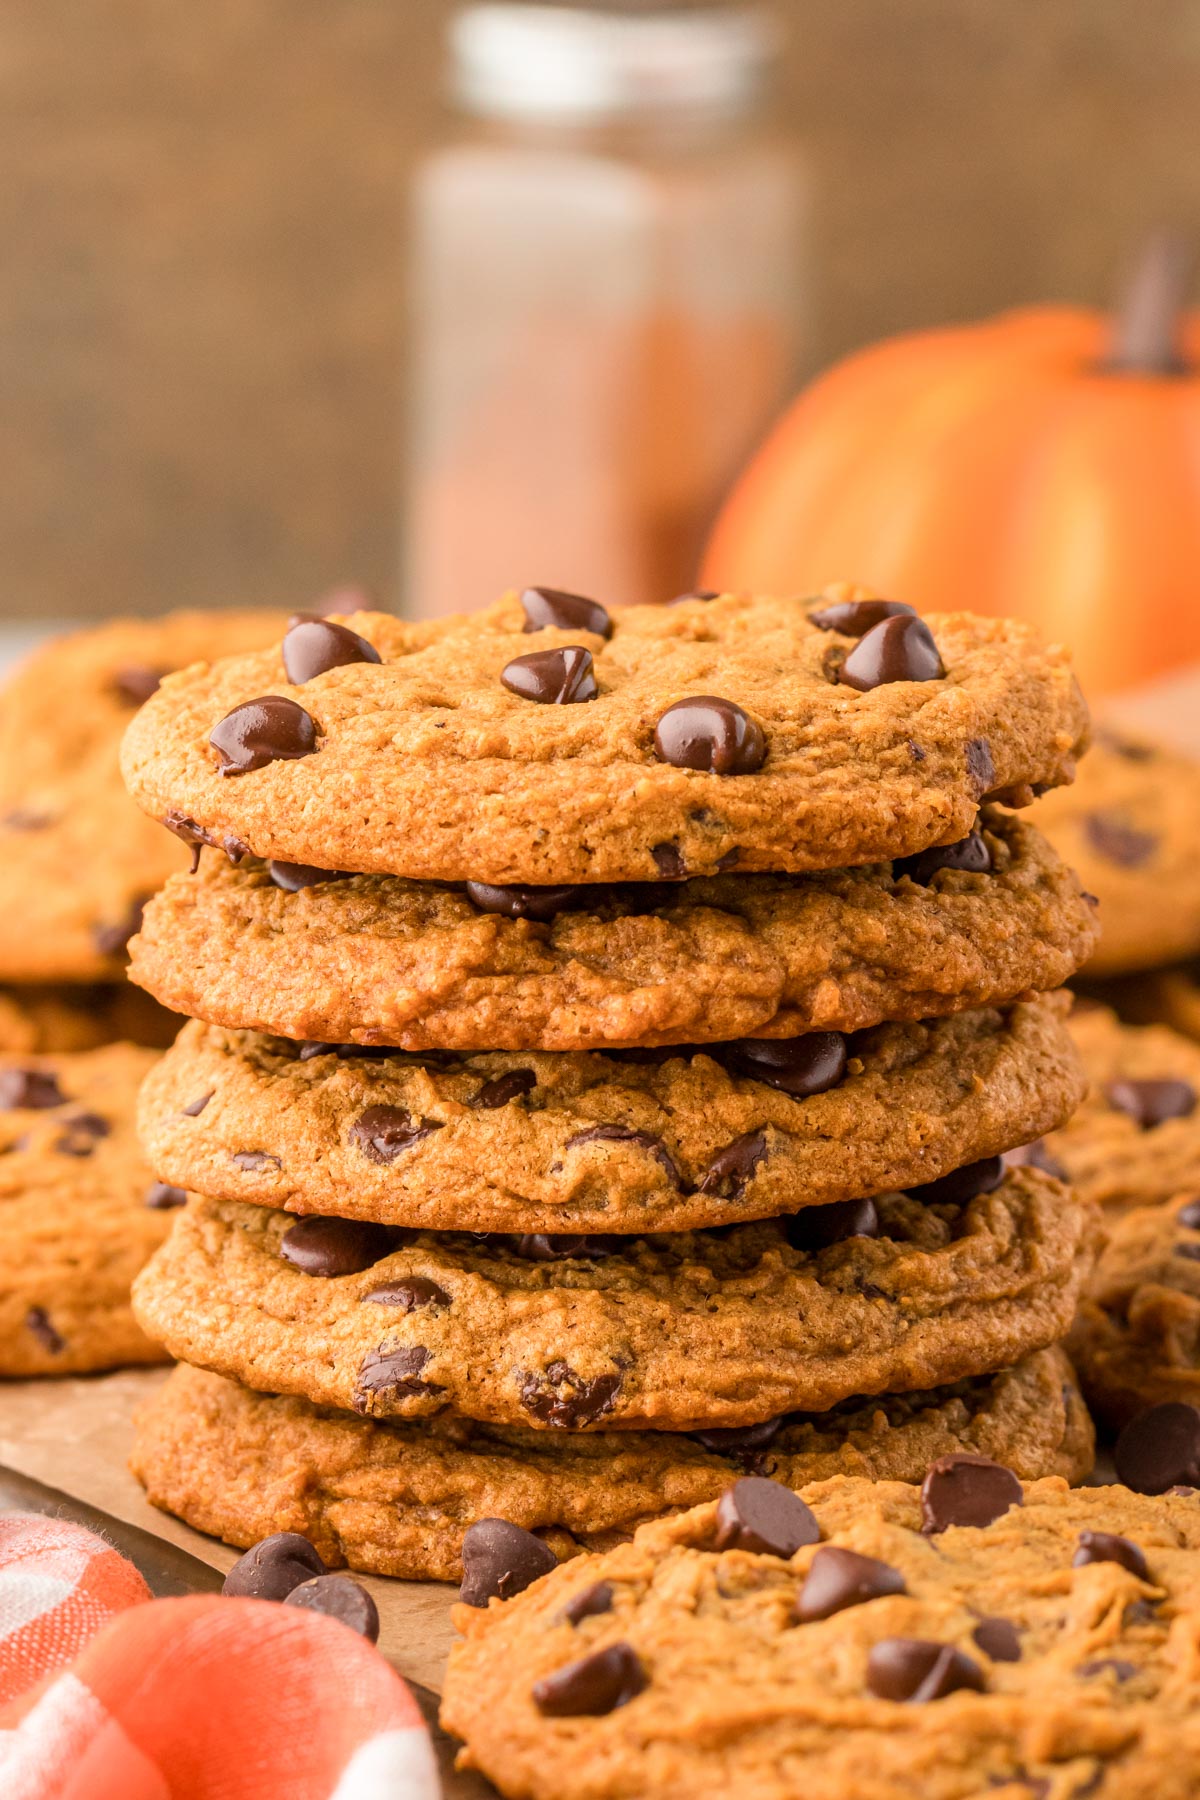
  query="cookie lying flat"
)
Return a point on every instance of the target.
[
  {"x": 391, "y": 1499},
  {"x": 81, "y": 1018},
  {"x": 77, "y": 858},
  {"x": 1051, "y": 1652},
  {"x": 378, "y": 960},
  {"x": 649, "y": 1141},
  {"x": 1132, "y": 829},
  {"x": 486, "y": 749},
  {"x": 678, "y": 1332},
  {"x": 79, "y": 1212}
]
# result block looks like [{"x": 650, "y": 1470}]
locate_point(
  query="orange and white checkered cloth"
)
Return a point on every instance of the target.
[{"x": 107, "y": 1694}]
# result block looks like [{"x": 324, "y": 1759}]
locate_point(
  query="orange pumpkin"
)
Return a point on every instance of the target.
[{"x": 1044, "y": 464}]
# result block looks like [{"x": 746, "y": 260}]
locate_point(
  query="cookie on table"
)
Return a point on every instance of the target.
[
  {"x": 1131, "y": 827},
  {"x": 392, "y": 1499},
  {"x": 77, "y": 858},
  {"x": 80, "y": 1018},
  {"x": 973, "y": 1636},
  {"x": 680, "y": 1332},
  {"x": 545, "y": 740},
  {"x": 79, "y": 1212},
  {"x": 375, "y": 959},
  {"x": 627, "y": 1141}
]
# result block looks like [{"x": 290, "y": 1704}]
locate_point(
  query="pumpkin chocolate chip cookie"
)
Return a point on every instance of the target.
[
  {"x": 718, "y": 1328},
  {"x": 523, "y": 744},
  {"x": 375, "y": 959},
  {"x": 628, "y": 1141},
  {"x": 394, "y": 1499},
  {"x": 973, "y": 1636}
]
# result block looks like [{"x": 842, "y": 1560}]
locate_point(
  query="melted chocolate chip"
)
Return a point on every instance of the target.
[
  {"x": 262, "y": 731},
  {"x": 562, "y": 1246},
  {"x": 270, "y": 1570},
  {"x": 917, "y": 1670},
  {"x": 1108, "y": 1665},
  {"x": 739, "y": 1440},
  {"x": 161, "y": 1198},
  {"x": 1160, "y": 1449},
  {"x": 194, "y": 1108},
  {"x": 251, "y": 1161},
  {"x": 962, "y": 1185},
  {"x": 710, "y": 734},
  {"x": 566, "y": 612},
  {"x": 37, "y": 1323},
  {"x": 592, "y": 1686},
  {"x": 503, "y": 1088},
  {"x": 621, "y": 1134},
  {"x": 552, "y": 677},
  {"x": 817, "y": 1227},
  {"x": 853, "y": 618},
  {"x": 291, "y": 877},
  {"x": 316, "y": 645},
  {"x": 196, "y": 837},
  {"x": 764, "y": 1517},
  {"x": 1151, "y": 1103},
  {"x": 668, "y": 860},
  {"x": 136, "y": 683},
  {"x": 82, "y": 1134},
  {"x": 113, "y": 940},
  {"x": 383, "y": 1133},
  {"x": 541, "y": 903},
  {"x": 839, "y": 1578},
  {"x": 394, "y": 1373},
  {"x": 1189, "y": 1216},
  {"x": 29, "y": 1090},
  {"x": 970, "y": 855},
  {"x": 339, "y": 1598},
  {"x": 998, "y": 1639},
  {"x": 1104, "y": 1546},
  {"x": 799, "y": 1066},
  {"x": 900, "y": 649},
  {"x": 1118, "y": 842},
  {"x": 967, "y": 1490},
  {"x": 980, "y": 767},
  {"x": 500, "y": 1560},
  {"x": 331, "y": 1247},
  {"x": 588, "y": 1603},
  {"x": 565, "y": 1400},
  {"x": 733, "y": 1167},
  {"x": 1036, "y": 1156},
  {"x": 409, "y": 1294}
]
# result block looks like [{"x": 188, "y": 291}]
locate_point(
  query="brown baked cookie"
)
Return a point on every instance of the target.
[
  {"x": 681, "y": 1332},
  {"x": 77, "y": 859},
  {"x": 390, "y": 1499},
  {"x": 1131, "y": 826},
  {"x": 630, "y": 1141},
  {"x": 1168, "y": 996},
  {"x": 971, "y": 1637},
  {"x": 377, "y": 960},
  {"x": 537, "y": 742},
  {"x": 80, "y": 1018},
  {"x": 79, "y": 1212}
]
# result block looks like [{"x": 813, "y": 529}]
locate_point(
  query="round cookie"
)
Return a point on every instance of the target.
[
  {"x": 431, "y": 754},
  {"x": 80, "y": 1018},
  {"x": 79, "y": 1212},
  {"x": 1137, "y": 1337},
  {"x": 378, "y": 960},
  {"x": 678, "y": 1333},
  {"x": 894, "y": 1652},
  {"x": 390, "y": 1499},
  {"x": 1131, "y": 827},
  {"x": 77, "y": 858},
  {"x": 631, "y": 1141}
]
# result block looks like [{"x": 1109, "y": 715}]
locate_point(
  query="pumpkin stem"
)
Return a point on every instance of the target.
[{"x": 1147, "y": 329}]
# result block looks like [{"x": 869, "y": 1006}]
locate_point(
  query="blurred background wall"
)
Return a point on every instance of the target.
[{"x": 201, "y": 273}]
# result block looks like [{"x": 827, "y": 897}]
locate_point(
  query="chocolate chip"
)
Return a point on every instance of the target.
[
  {"x": 395, "y": 1373},
  {"x": 539, "y": 903},
  {"x": 737, "y": 1440},
  {"x": 704, "y": 594},
  {"x": 37, "y": 1323},
  {"x": 734, "y": 1166},
  {"x": 262, "y": 731},
  {"x": 82, "y": 1134},
  {"x": 1108, "y": 1665},
  {"x": 621, "y": 1134},
  {"x": 816, "y": 1227},
  {"x": 1151, "y": 1103},
  {"x": 917, "y": 1670},
  {"x": 1104, "y": 1546},
  {"x": 552, "y": 677},
  {"x": 409, "y": 1294},
  {"x": 1189, "y": 1252},
  {"x": 194, "y": 1108},
  {"x": 980, "y": 766},
  {"x": 998, "y": 1639},
  {"x": 1119, "y": 842},
  {"x": 162, "y": 1198},
  {"x": 500, "y": 1560},
  {"x": 970, "y": 855},
  {"x": 840, "y": 1578},
  {"x": 588, "y": 1603},
  {"x": 765, "y": 1517},
  {"x": 1036, "y": 1156},
  {"x": 566, "y": 612},
  {"x": 315, "y": 645},
  {"x": 900, "y": 649},
  {"x": 253, "y": 1160},
  {"x": 545, "y": 1246},
  {"x": 710, "y": 734},
  {"x": 592, "y": 1686},
  {"x": 1189, "y": 1216},
  {"x": 136, "y": 683},
  {"x": 503, "y": 1088},
  {"x": 274, "y": 1567},
  {"x": 853, "y": 618},
  {"x": 1160, "y": 1448},
  {"x": 565, "y": 1400},
  {"x": 29, "y": 1090},
  {"x": 113, "y": 940},
  {"x": 383, "y": 1133},
  {"x": 26, "y": 818},
  {"x": 196, "y": 837},
  {"x": 967, "y": 1490},
  {"x": 339, "y": 1598},
  {"x": 668, "y": 860},
  {"x": 331, "y": 1247},
  {"x": 799, "y": 1066},
  {"x": 962, "y": 1185},
  {"x": 291, "y": 877}
]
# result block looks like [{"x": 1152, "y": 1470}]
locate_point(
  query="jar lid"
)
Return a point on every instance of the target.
[{"x": 574, "y": 63}]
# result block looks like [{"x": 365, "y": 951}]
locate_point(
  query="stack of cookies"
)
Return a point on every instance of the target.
[{"x": 607, "y": 1033}]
